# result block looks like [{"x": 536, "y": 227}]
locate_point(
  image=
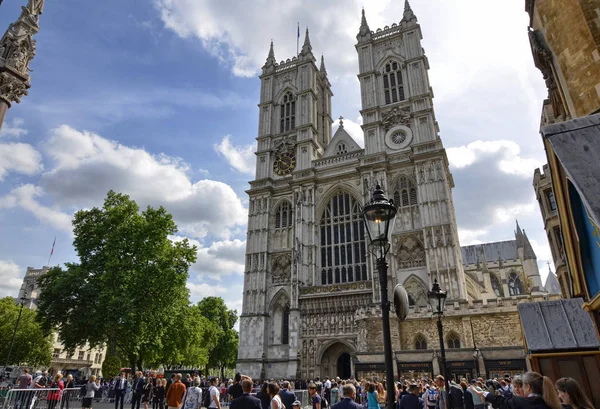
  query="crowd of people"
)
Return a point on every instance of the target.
[{"x": 192, "y": 391}]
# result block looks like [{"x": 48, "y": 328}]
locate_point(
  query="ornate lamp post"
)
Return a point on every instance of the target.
[
  {"x": 437, "y": 300},
  {"x": 12, "y": 341},
  {"x": 379, "y": 216}
]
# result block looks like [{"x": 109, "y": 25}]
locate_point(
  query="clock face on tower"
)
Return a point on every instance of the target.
[{"x": 284, "y": 164}]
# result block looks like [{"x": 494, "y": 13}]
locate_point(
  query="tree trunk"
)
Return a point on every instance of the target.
[
  {"x": 139, "y": 364},
  {"x": 222, "y": 372}
]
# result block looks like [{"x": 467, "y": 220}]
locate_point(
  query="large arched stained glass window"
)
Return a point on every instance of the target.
[
  {"x": 393, "y": 89},
  {"x": 343, "y": 246}
]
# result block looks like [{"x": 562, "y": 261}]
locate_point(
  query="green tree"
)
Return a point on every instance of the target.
[
  {"x": 129, "y": 285},
  {"x": 32, "y": 346},
  {"x": 111, "y": 366},
  {"x": 224, "y": 353}
]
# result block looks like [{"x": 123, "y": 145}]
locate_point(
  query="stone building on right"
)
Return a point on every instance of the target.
[{"x": 565, "y": 44}]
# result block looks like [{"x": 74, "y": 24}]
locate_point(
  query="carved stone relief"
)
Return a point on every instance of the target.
[
  {"x": 409, "y": 251},
  {"x": 281, "y": 269},
  {"x": 395, "y": 117}
]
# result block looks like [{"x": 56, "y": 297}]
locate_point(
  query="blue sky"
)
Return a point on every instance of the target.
[{"x": 157, "y": 99}]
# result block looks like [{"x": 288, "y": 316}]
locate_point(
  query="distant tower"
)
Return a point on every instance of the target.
[
  {"x": 17, "y": 49},
  {"x": 530, "y": 267}
]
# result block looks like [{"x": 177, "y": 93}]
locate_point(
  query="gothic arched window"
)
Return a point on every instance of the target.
[
  {"x": 288, "y": 113},
  {"x": 420, "y": 342},
  {"x": 341, "y": 149},
  {"x": 343, "y": 247},
  {"x": 283, "y": 216},
  {"x": 285, "y": 326},
  {"x": 393, "y": 89},
  {"x": 453, "y": 340},
  {"x": 496, "y": 286},
  {"x": 514, "y": 284},
  {"x": 406, "y": 193}
]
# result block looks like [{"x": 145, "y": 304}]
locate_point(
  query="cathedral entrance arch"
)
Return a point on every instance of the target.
[{"x": 336, "y": 361}]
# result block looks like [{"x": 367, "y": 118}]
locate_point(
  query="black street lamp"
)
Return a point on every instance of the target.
[
  {"x": 437, "y": 300},
  {"x": 379, "y": 216},
  {"x": 476, "y": 353},
  {"x": 12, "y": 341}
]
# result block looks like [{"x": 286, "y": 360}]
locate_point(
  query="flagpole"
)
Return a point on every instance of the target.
[{"x": 51, "y": 251}]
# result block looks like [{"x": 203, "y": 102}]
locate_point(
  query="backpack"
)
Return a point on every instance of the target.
[
  {"x": 83, "y": 389},
  {"x": 206, "y": 396},
  {"x": 431, "y": 397}
]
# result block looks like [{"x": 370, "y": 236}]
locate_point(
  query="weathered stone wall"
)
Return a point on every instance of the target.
[{"x": 572, "y": 30}]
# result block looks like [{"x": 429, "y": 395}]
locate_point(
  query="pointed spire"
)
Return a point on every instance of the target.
[
  {"x": 271, "y": 57},
  {"x": 500, "y": 263},
  {"x": 528, "y": 253},
  {"x": 322, "y": 67},
  {"x": 364, "y": 30},
  {"x": 519, "y": 235},
  {"x": 306, "y": 48},
  {"x": 408, "y": 12}
]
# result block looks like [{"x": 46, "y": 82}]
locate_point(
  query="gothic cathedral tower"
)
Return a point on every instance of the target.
[
  {"x": 403, "y": 146},
  {"x": 310, "y": 289}
]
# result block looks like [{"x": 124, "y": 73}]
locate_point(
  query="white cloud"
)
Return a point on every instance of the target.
[
  {"x": 86, "y": 166},
  {"x": 511, "y": 162},
  {"x": 241, "y": 158},
  {"x": 19, "y": 158},
  {"x": 220, "y": 258},
  {"x": 13, "y": 129},
  {"x": 27, "y": 197},
  {"x": 470, "y": 237},
  {"x": 12, "y": 278}
]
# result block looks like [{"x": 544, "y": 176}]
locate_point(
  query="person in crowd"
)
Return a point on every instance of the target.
[
  {"x": 442, "y": 396},
  {"x": 67, "y": 395},
  {"x": 213, "y": 391},
  {"x": 193, "y": 395},
  {"x": 296, "y": 404},
  {"x": 571, "y": 394},
  {"x": 263, "y": 396},
  {"x": 41, "y": 380},
  {"x": 158, "y": 398},
  {"x": 137, "y": 390},
  {"x": 54, "y": 396},
  {"x": 430, "y": 396},
  {"x": 90, "y": 391},
  {"x": 147, "y": 392},
  {"x": 517, "y": 384},
  {"x": 539, "y": 393},
  {"x": 235, "y": 390},
  {"x": 467, "y": 396},
  {"x": 287, "y": 396},
  {"x": 24, "y": 381},
  {"x": 349, "y": 395},
  {"x": 170, "y": 381},
  {"x": 315, "y": 397},
  {"x": 175, "y": 393},
  {"x": 273, "y": 391},
  {"x": 120, "y": 390},
  {"x": 456, "y": 395},
  {"x": 246, "y": 400},
  {"x": 335, "y": 394},
  {"x": 476, "y": 390},
  {"x": 187, "y": 381},
  {"x": 372, "y": 396},
  {"x": 412, "y": 400},
  {"x": 381, "y": 395}
]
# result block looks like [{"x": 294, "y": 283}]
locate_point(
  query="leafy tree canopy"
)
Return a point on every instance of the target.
[
  {"x": 224, "y": 353},
  {"x": 32, "y": 346},
  {"x": 129, "y": 285}
]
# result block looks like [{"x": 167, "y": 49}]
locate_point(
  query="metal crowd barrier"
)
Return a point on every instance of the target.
[{"x": 46, "y": 398}]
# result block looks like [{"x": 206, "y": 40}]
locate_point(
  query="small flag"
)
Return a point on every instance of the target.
[
  {"x": 298, "y": 28},
  {"x": 52, "y": 251}
]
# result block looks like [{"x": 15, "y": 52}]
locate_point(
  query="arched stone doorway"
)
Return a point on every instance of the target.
[{"x": 337, "y": 361}]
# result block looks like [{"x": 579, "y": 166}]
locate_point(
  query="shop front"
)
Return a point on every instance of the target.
[
  {"x": 458, "y": 370},
  {"x": 505, "y": 368},
  {"x": 415, "y": 370},
  {"x": 372, "y": 371}
]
